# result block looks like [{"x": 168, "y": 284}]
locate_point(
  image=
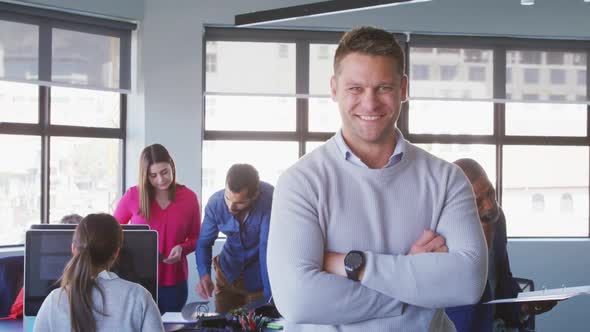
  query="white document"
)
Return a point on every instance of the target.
[
  {"x": 555, "y": 294},
  {"x": 175, "y": 318}
]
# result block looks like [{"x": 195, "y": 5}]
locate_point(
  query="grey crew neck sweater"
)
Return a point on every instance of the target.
[{"x": 325, "y": 203}]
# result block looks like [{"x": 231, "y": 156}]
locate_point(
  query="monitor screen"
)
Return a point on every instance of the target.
[
  {"x": 48, "y": 251},
  {"x": 73, "y": 226}
]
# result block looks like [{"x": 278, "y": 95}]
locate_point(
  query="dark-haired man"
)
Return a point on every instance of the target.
[
  {"x": 348, "y": 216},
  {"x": 241, "y": 211},
  {"x": 500, "y": 284}
]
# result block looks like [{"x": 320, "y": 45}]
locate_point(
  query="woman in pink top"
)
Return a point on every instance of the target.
[{"x": 173, "y": 211}]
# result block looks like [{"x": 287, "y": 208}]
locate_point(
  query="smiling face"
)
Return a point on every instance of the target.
[{"x": 369, "y": 91}]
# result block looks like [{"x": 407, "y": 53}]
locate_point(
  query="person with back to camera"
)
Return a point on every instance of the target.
[
  {"x": 173, "y": 211},
  {"x": 92, "y": 299},
  {"x": 352, "y": 243},
  {"x": 17, "y": 307}
]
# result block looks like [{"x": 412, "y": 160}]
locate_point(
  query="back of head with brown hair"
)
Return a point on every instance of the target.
[
  {"x": 243, "y": 176},
  {"x": 369, "y": 41},
  {"x": 97, "y": 240},
  {"x": 153, "y": 154}
]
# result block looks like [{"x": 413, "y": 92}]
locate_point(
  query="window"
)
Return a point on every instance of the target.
[
  {"x": 283, "y": 51},
  {"x": 531, "y": 75},
  {"x": 530, "y": 137},
  {"x": 63, "y": 124},
  {"x": 530, "y": 57},
  {"x": 555, "y": 58},
  {"x": 536, "y": 151},
  {"x": 211, "y": 63},
  {"x": 420, "y": 72},
  {"x": 257, "y": 107},
  {"x": 448, "y": 73},
  {"x": 557, "y": 76},
  {"x": 538, "y": 203},
  {"x": 476, "y": 56},
  {"x": 566, "y": 204},
  {"x": 581, "y": 77},
  {"x": 477, "y": 74}
]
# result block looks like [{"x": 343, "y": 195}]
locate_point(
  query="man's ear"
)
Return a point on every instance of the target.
[
  {"x": 404, "y": 88},
  {"x": 333, "y": 87}
]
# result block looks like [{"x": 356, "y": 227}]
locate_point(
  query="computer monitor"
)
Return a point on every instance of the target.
[
  {"x": 48, "y": 251},
  {"x": 73, "y": 226}
]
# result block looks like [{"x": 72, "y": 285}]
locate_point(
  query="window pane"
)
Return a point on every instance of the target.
[
  {"x": 324, "y": 115},
  {"x": 544, "y": 74},
  {"x": 484, "y": 154},
  {"x": 89, "y": 108},
  {"x": 310, "y": 146},
  {"x": 19, "y": 51},
  {"x": 19, "y": 102},
  {"x": 451, "y": 117},
  {"x": 269, "y": 158},
  {"x": 321, "y": 69},
  {"x": 546, "y": 190},
  {"x": 84, "y": 176},
  {"x": 451, "y": 73},
  {"x": 85, "y": 58},
  {"x": 250, "y": 113},
  {"x": 20, "y": 187},
  {"x": 545, "y": 119},
  {"x": 250, "y": 67}
]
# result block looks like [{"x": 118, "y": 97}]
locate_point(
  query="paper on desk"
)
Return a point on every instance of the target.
[
  {"x": 175, "y": 318},
  {"x": 555, "y": 294}
]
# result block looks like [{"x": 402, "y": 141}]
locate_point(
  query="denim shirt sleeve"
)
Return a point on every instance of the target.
[
  {"x": 207, "y": 237},
  {"x": 264, "y": 226}
]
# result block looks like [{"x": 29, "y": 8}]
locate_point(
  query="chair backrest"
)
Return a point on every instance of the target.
[
  {"x": 527, "y": 285},
  {"x": 11, "y": 281}
]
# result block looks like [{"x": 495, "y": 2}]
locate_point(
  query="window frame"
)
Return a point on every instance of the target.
[
  {"x": 498, "y": 45},
  {"x": 46, "y": 20}
]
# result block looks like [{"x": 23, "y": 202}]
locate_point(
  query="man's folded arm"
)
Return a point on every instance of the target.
[
  {"x": 303, "y": 292},
  {"x": 438, "y": 280}
]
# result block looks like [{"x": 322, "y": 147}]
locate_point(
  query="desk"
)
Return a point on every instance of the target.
[
  {"x": 17, "y": 326},
  {"x": 11, "y": 325}
]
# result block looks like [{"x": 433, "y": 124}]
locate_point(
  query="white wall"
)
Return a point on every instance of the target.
[{"x": 126, "y": 10}]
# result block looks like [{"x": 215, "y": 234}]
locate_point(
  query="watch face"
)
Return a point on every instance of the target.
[{"x": 353, "y": 261}]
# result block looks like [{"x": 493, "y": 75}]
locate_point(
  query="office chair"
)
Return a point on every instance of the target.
[{"x": 11, "y": 281}]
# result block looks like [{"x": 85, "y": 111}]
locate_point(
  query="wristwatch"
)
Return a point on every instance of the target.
[{"x": 353, "y": 264}]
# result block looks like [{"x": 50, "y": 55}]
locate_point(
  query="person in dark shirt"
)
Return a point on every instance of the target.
[{"x": 500, "y": 284}]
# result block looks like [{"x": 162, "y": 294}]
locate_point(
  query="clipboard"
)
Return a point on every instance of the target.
[{"x": 555, "y": 294}]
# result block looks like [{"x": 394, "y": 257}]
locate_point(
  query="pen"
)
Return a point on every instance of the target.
[{"x": 274, "y": 326}]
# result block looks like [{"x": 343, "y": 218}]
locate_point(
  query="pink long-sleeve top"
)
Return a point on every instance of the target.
[{"x": 178, "y": 223}]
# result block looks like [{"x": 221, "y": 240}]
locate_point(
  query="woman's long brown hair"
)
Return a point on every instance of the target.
[
  {"x": 97, "y": 240},
  {"x": 153, "y": 154}
]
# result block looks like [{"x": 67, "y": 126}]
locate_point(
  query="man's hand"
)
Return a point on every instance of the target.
[
  {"x": 175, "y": 255},
  {"x": 205, "y": 287},
  {"x": 537, "y": 307},
  {"x": 429, "y": 241}
]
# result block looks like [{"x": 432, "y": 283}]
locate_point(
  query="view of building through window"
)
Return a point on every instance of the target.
[
  {"x": 543, "y": 186},
  {"x": 61, "y": 145}
]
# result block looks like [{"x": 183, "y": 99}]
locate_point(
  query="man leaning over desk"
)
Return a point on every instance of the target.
[{"x": 241, "y": 211}]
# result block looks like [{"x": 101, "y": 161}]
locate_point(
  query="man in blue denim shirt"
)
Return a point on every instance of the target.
[{"x": 241, "y": 211}]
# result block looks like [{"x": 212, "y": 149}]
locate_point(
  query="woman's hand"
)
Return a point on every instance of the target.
[{"x": 175, "y": 255}]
